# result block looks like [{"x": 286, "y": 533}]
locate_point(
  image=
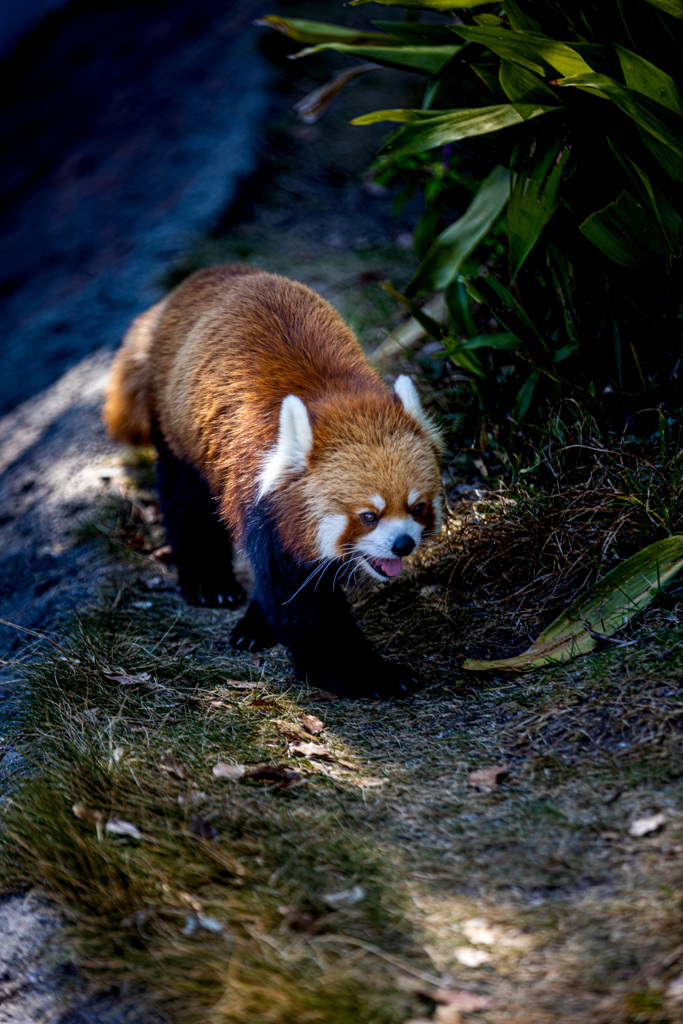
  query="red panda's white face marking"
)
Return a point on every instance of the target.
[{"x": 361, "y": 479}]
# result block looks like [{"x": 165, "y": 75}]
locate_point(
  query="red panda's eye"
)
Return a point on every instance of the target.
[
  {"x": 417, "y": 510},
  {"x": 369, "y": 518}
]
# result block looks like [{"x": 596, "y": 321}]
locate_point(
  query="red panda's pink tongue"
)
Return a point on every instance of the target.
[{"x": 391, "y": 566}]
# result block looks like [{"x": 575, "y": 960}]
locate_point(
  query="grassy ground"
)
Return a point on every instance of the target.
[
  {"x": 354, "y": 879},
  {"x": 367, "y": 878}
]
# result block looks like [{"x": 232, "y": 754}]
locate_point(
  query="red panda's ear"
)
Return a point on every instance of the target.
[
  {"x": 410, "y": 400},
  {"x": 294, "y": 442}
]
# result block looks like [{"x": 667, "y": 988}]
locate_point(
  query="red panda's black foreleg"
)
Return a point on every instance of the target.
[
  {"x": 311, "y": 617},
  {"x": 200, "y": 541}
]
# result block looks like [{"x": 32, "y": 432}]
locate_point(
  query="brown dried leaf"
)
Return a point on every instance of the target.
[
  {"x": 202, "y": 827},
  {"x": 123, "y": 679},
  {"x": 468, "y": 956},
  {"x": 487, "y": 779},
  {"x": 278, "y": 773},
  {"x": 169, "y": 763},
  {"x": 223, "y": 770},
  {"x": 85, "y": 814},
  {"x": 119, "y": 827},
  {"x": 298, "y": 920},
  {"x": 311, "y": 108},
  {"x": 291, "y": 729},
  {"x": 304, "y": 749},
  {"x": 261, "y": 702},
  {"x": 448, "y": 1015},
  {"x": 644, "y": 826},
  {"x": 459, "y": 999},
  {"x": 311, "y": 724},
  {"x": 480, "y": 932},
  {"x": 245, "y": 684}
]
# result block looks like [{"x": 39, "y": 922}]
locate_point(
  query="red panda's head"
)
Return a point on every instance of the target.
[{"x": 359, "y": 476}]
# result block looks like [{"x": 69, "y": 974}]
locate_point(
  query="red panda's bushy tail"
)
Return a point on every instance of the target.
[{"x": 127, "y": 409}]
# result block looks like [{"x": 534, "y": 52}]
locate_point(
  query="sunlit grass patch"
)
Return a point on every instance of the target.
[{"x": 221, "y": 900}]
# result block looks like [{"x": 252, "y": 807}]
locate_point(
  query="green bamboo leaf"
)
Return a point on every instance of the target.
[
  {"x": 426, "y": 60},
  {"x": 497, "y": 341},
  {"x": 672, "y": 7},
  {"x": 311, "y": 32},
  {"x": 652, "y": 197},
  {"x": 467, "y": 361},
  {"x": 648, "y": 114},
  {"x": 607, "y": 606},
  {"x": 533, "y": 200},
  {"x": 417, "y": 33},
  {"x": 426, "y": 5},
  {"x": 445, "y": 256},
  {"x": 628, "y": 233},
  {"x": 428, "y": 323},
  {"x": 428, "y": 128},
  {"x": 510, "y": 313},
  {"x": 523, "y": 86},
  {"x": 644, "y": 77},
  {"x": 535, "y": 52},
  {"x": 524, "y": 396}
]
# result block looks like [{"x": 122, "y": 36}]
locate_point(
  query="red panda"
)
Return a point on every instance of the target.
[{"x": 272, "y": 430}]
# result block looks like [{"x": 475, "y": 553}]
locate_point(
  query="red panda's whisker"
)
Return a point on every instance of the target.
[{"x": 320, "y": 568}]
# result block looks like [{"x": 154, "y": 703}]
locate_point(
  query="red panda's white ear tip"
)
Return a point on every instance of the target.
[
  {"x": 410, "y": 400},
  {"x": 294, "y": 442}
]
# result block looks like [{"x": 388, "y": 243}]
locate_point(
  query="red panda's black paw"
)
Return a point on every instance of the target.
[
  {"x": 385, "y": 681},
  {"x": 252, "y": 632},
  {"x": 214, "y": 595}
]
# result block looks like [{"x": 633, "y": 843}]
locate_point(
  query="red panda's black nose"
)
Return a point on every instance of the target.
[{"x": 403, "y": 545}]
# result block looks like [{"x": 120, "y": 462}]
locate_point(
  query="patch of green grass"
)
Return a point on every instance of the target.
[{"x": 223, "y": 903}]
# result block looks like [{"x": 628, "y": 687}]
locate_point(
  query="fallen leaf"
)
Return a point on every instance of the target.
[
  {"x": 260, "y": 702},
  {"x": 345, "y": 898},
  {"x": 123, "y": 679},
  {"x": 169, "y": 763},
  {"x": 311, "y": 108},
  {"x": 674, "y": 990},
  {"x": 468, "y": 956},
  {"x": 119, "y": 827},
  {"x": 479, "y": 932},
  {"x": 278, "y": 773},
  {"x": 470, "y": 1002},
  {"x": 164, "y": 554},
  {"x": 447, "y": 1015},
  {"x": 487, "y": 779},
  {"x": 195, "y": 797},
  {"x": 210, "y": 924},
  {"x": 85, "y": 814},
  {"x": 298, "y": 920},
  {"x": 304, "y": 749},
  {"x": 291, "y": 729},
  {"x": 607, "y": 606},
  {"x": 223, "y": 770},
  {"x": 643, "y": 826},
  {"x": 326, "y": 695},
  {"x": 202, "y": 827},
  {"x": 311, "y": 724},
  {"x": 244, "y": 684}
]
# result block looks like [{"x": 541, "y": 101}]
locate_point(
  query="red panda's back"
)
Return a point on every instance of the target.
[{"x": 231, "y": 344}]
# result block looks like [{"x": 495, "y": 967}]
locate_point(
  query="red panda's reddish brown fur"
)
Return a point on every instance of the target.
[{"x": 207, "y": 371}]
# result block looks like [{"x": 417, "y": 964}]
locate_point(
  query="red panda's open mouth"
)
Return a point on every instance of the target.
[{"x": 386, "y": 567}]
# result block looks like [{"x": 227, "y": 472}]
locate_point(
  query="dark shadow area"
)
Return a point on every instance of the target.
[{"x": 126, "y": 127}]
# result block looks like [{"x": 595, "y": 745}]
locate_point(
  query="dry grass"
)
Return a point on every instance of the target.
[{"x": 581, "y": 920}]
